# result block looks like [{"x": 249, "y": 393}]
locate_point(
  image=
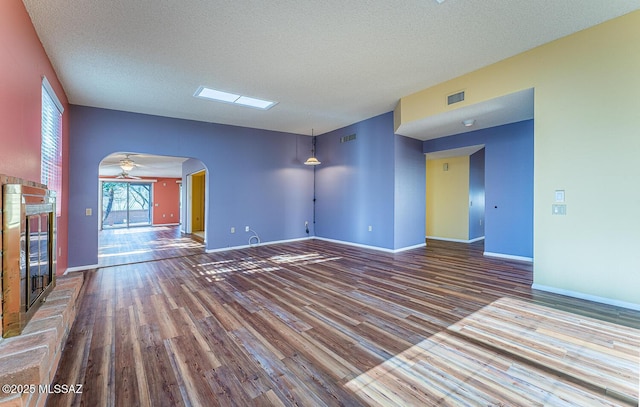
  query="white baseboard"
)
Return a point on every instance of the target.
[
  {"x": 509, "y": 257},
  {"x": 588, "y": 297},
  {"x": 225, "y": 249},
  {"x": 404, "y": 249},
  {"x": 80, "y": 268},
  {"x": 364, "y": 246},
  {"x": 446, "y": 239}
]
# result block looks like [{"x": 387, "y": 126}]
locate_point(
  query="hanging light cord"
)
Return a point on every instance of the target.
[{"x": 314, "y": 200}]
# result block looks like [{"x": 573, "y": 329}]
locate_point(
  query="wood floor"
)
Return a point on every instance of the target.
[
  {"x": 139, "y": 244},
  {"x": 313, "y": 323}
]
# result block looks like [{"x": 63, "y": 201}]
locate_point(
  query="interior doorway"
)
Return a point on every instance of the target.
[
  {"x": 142, "y": 190},
  {"x": 455, "y": 199},
  {"x": 196, "y": 204}
]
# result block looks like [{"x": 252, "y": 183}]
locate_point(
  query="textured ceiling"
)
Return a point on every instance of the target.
[
  {"x": 328, "y": 64},
  {"x": 510, "y": 108},
  {"x": 145, "y": 165}
]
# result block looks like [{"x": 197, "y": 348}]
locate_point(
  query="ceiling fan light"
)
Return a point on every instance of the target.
[{"x": 127, "y": 166}]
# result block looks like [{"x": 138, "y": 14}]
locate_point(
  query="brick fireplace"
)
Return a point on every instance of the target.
[{"x": 32, "y": 332}]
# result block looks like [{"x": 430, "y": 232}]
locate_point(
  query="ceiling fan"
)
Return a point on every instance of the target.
[
  {"x": 127, "y": 164},
  {"x": 125, "y": 174}
]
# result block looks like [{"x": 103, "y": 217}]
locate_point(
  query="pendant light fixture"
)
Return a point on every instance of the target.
[{"x": 312, "y": 160}]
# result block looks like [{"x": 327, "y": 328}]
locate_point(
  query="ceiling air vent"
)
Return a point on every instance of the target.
[
  {"x": 347, "y": 138},
  {"x": 455, "y": 98}
]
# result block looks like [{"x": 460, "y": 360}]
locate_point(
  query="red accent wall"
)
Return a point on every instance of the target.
[
  {"x": 166, "y": 201},
  {"x": 23, "y": 62}
]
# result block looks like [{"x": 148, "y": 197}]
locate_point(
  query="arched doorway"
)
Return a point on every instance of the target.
[{"x": 141, "y": 209}]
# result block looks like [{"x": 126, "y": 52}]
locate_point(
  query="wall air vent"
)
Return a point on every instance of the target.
[
  {"x": 344, "y": 139},
  {"x": 455, "y": 98}
]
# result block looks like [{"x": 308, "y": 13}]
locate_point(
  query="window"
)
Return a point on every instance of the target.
[
  {"x": 126, "y": 204},
  {"x": 51, "y": 154}
]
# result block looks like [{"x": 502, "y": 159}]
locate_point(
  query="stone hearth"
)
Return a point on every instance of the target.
[{"x": 32, "y": 357}]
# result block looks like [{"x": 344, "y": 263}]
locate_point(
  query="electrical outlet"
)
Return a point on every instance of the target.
[
  {"x": 246, "y": 228},
  {"x": 559, "y": 209},
  {"x": 233, "y": 229},
  {"x": 370, "y": 228}
]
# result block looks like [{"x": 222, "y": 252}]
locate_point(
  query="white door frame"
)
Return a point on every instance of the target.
[{"x": 187, "y": 203}]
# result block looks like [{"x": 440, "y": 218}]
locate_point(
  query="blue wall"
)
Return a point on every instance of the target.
[
  {"x": 476, "y": 195},
  {"x": 255, "y": 177},
  {"x": 361, "y": 183},
  {"x": 508, "y": 184},
  {"x": 354, "y": 184},
  {"x": 410, "y": 193}
]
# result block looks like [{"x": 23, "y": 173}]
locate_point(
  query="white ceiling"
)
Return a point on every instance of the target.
[
  {"x": 146, "y": 165},
  {"x": 510, "y": 108},
  {"x": 328, "y": 64},
  {"x": 454, "y": 152}
]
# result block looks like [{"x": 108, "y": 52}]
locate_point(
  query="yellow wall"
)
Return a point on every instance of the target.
[
  {"x": 587, "y": 142},
  {"x": 197, "y": 201},
  {"x": 447, "y": 198}
]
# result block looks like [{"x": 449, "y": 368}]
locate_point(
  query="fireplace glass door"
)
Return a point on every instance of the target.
[{"x": 39, "y": 269}]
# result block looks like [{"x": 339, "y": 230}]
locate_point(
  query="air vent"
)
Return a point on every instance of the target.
[
  {"x": 455, "y": 98},
  {"x": 347, "y": 138}
]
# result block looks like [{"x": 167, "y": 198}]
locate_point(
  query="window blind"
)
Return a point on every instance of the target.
[{"x": 51, "y": 153}]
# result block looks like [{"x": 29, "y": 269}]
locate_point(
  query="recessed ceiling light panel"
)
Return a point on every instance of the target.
[
  {"x": 213, "y": 94},
  {"x": 253, "y": 102},
  {"x": 220, "y": 96}
]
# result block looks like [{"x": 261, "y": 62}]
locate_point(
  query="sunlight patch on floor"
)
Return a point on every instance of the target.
[
  {"x": 125, "y": 253},
  {"x": 219, "y": 270},
  {"x": 129, "y": 231},
  {"x": 510, "y": 344},
  {"x": 178, "y": 243},
  {"x": 306, "y": 258}
]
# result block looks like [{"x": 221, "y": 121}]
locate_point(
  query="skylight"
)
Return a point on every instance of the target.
[{"x": 219, "y": 96}]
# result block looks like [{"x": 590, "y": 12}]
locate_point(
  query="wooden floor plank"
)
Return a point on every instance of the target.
[{"x": 314, "y": 323}]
